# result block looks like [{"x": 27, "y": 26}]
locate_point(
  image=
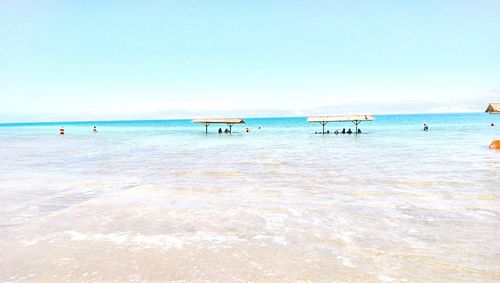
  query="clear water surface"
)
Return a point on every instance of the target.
[{"x": 163, "y": 201}]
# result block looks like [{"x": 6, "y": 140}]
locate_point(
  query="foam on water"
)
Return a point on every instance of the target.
[{"x": 160, "y": 200}]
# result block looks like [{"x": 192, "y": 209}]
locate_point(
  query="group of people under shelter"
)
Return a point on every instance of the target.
[
  {"x": 336, "y": 132},
  {"x": 227, "y": 131},
  {"x": 349, "y": 131}
]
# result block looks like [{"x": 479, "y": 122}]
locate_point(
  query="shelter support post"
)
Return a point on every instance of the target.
[
  {"x": 356, "y": 122},
  {"x": 206, "y": 128},
  {"x": 323, "y": 124},
  {"x": 230, "y": 128}
]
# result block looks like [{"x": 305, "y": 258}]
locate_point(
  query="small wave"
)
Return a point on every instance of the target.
[
  {"x": 276, "y": 164},
  {"x": 224, "y": 174},
  {"x": 164, "y": 241}
]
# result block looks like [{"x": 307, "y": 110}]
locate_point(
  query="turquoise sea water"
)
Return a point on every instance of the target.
[{"x": 161, "y": 200}]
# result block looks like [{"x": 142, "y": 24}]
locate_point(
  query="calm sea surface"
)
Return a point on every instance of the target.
[{"x": 162, "y": 201}]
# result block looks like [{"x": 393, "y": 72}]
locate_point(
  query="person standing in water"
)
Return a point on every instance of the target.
[
  {"x": 61, "y": 131},
  {"x": 426, "y": 128},
  {"x": 94, "y": 130}
]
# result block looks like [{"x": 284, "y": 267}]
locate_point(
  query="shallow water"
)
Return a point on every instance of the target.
[{"x": 162, "y": 201}]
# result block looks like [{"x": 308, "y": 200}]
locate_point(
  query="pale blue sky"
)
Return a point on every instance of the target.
[{"x": 128, "y": 59}]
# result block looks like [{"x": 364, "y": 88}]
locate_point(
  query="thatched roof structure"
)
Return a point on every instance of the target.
[
  {"x": 340, "y": 118},
  {"x": 493, "y": 108},
  {"x": 356, "y": 119},
  {"x": 228, "y": 121},
  {"x": 219, "y": 121}
]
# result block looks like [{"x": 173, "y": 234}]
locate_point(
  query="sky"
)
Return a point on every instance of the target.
[{"x": 97, "y": 59}]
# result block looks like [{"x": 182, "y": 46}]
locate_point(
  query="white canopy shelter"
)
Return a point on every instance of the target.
[
  {"x": 228, "y": 121},
  {"x": 356, "y": 119}
]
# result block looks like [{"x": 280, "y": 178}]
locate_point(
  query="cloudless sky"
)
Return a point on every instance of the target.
[{"x": 86, "y": 59}]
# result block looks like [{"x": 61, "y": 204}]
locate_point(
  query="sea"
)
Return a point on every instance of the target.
[{"x": 161, "y": 201}]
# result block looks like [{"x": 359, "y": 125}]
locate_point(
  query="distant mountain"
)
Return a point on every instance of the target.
[{"x": 476, "y": 104}]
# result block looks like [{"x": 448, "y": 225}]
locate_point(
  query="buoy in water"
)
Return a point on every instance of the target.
[{"x": 495, "y": 144}]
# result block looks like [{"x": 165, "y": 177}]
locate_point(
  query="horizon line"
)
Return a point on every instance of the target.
[{"x": 255, "y": 117}]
